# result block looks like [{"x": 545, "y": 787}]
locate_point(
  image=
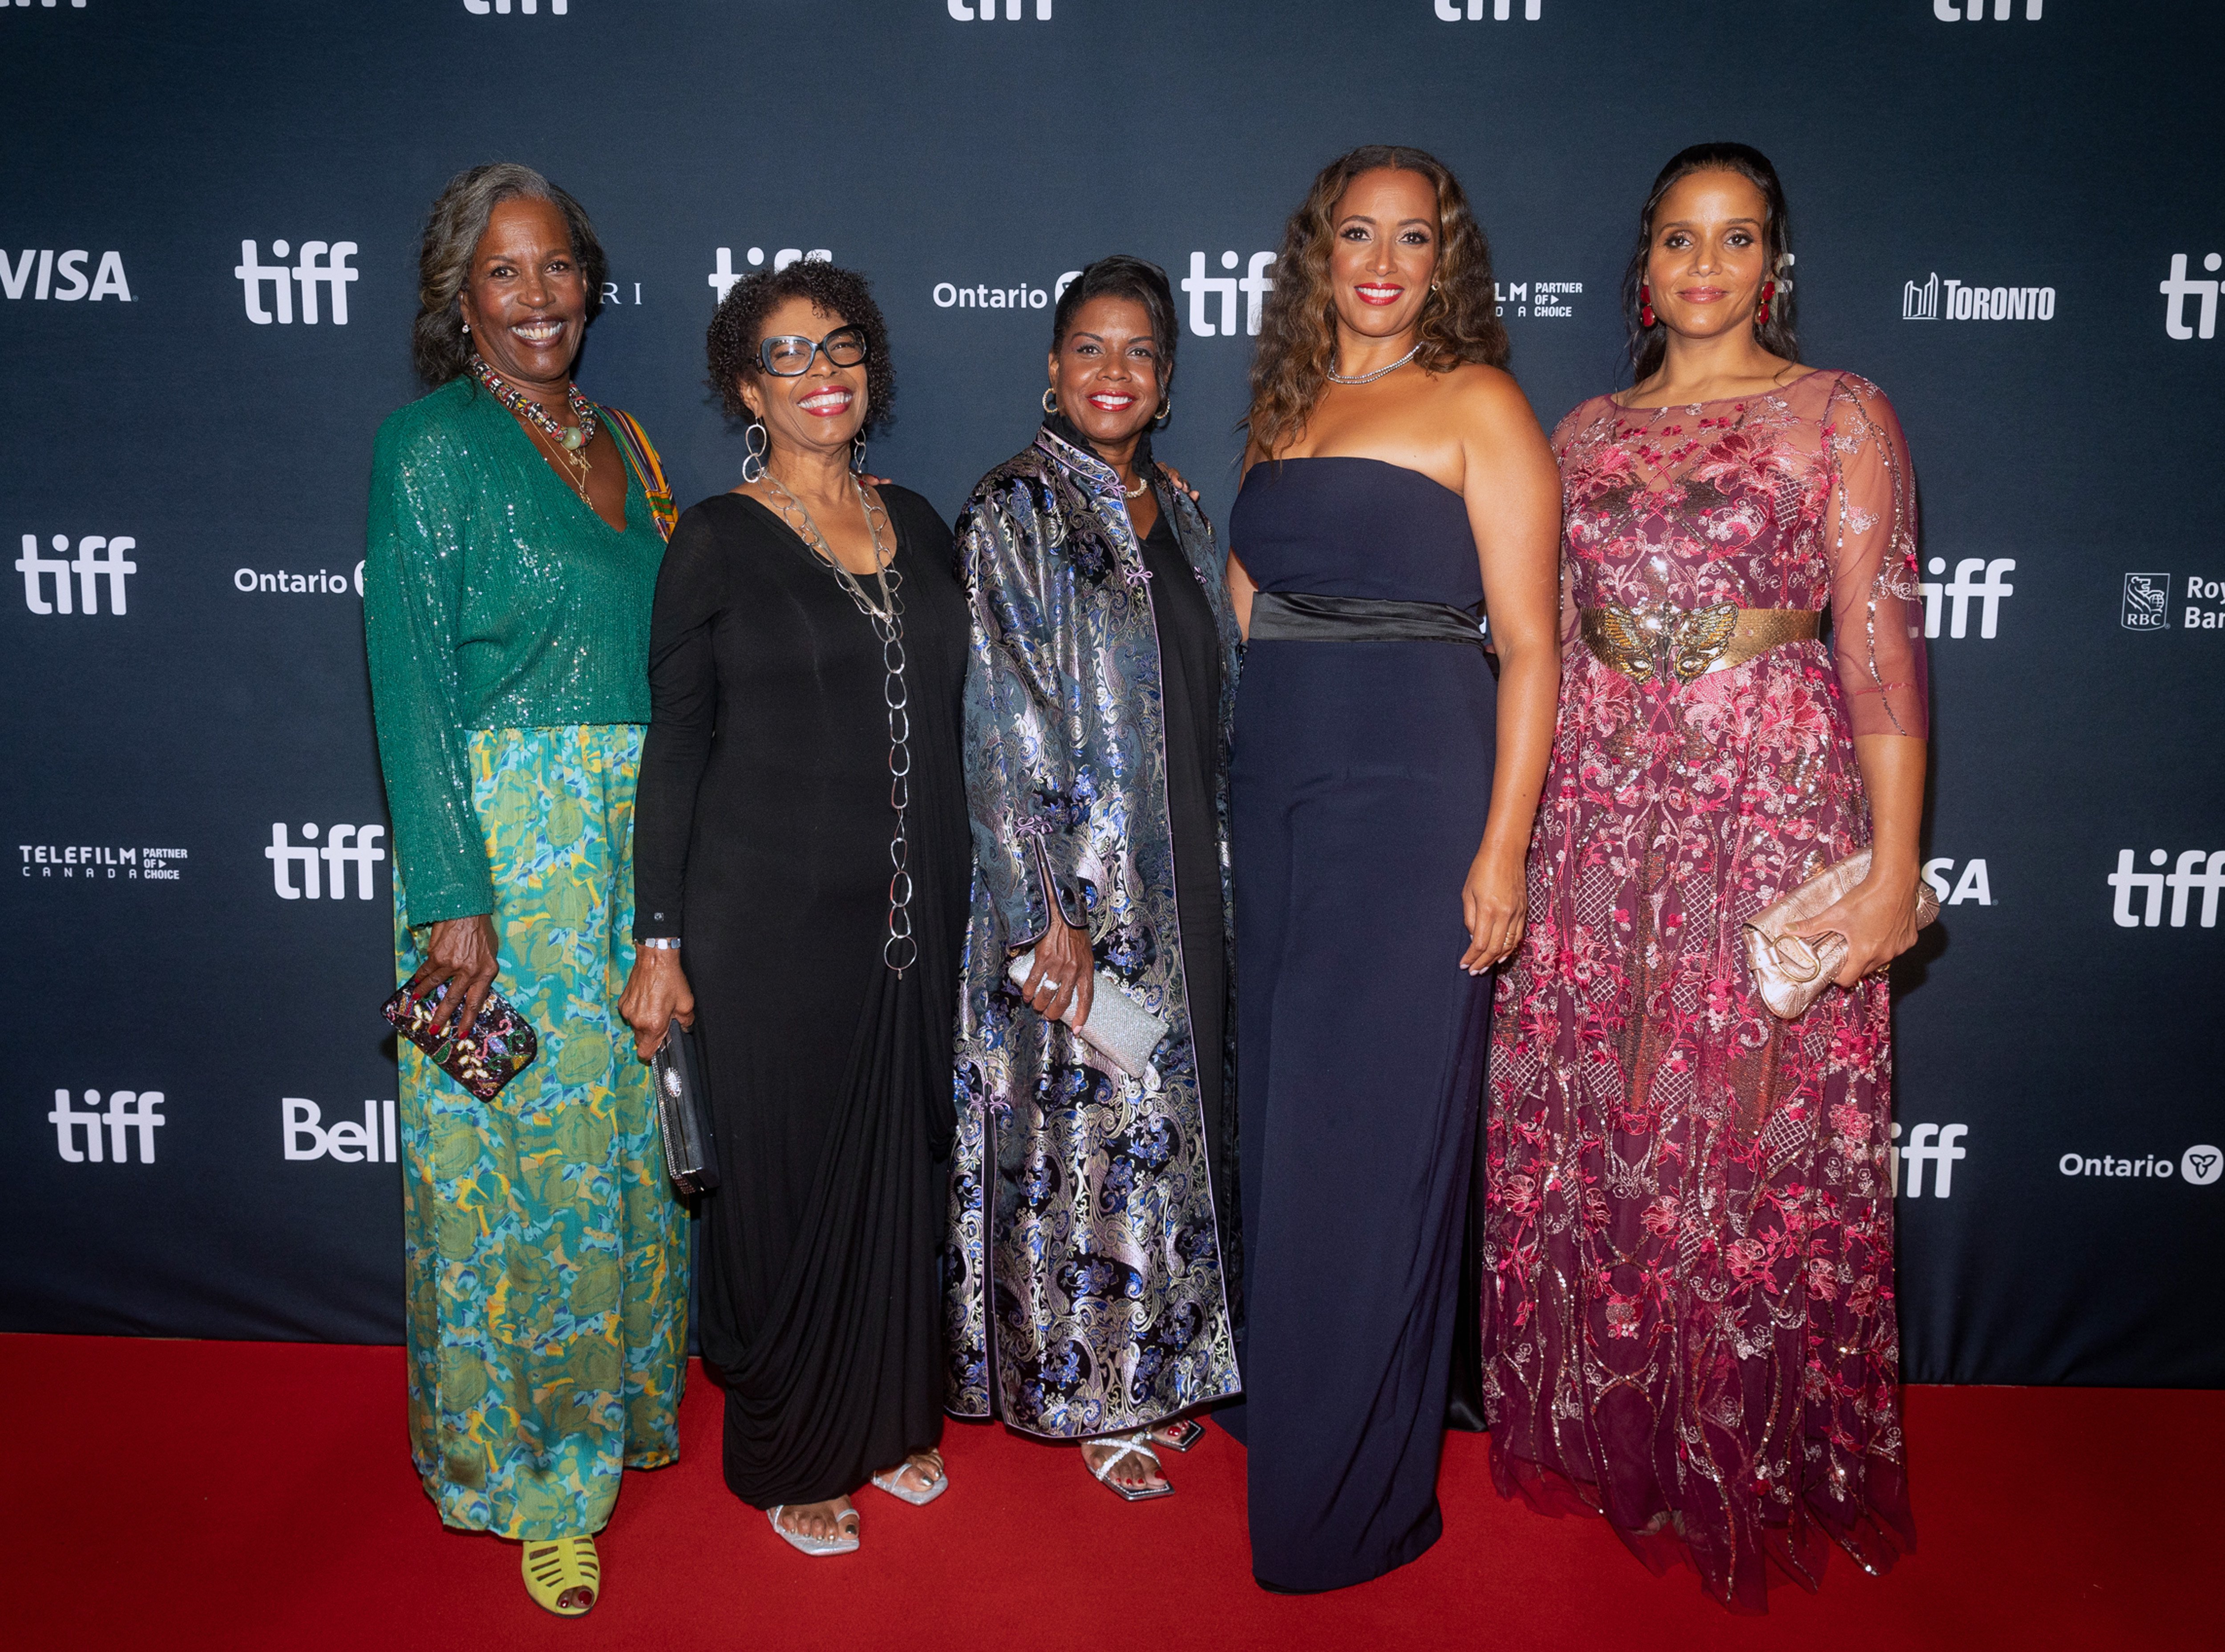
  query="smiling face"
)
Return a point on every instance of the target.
[
  {"x": 1709, "y": 254},
  {"x": 1106, "y": 372},
  {"x": 526, "y": 298},
  {"x": 1385, "y": 254},
  {"x": 821, "y": 408}
]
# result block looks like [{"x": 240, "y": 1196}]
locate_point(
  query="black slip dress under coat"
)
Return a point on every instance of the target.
[{"x": 762, "y": 835}]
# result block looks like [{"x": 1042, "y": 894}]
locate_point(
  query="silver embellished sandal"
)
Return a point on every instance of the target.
[
  {"x": 892, "y": 1481},
  {"x": 1125, "y": 1446},
  {"x": 845, "y": 1543}
]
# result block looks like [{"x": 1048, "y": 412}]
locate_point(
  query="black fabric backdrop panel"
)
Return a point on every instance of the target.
[{"x": 2006, "y": 214}]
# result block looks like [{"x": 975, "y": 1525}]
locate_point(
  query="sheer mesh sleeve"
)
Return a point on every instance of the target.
[
  {"x": 683, "y": 693},
  {"x": 1877, "y": 611},
  {"x": 1564, "y": 435}
]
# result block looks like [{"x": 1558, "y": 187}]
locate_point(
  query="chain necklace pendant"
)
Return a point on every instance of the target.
[
  {"x": 571, "y": 444},
  {"x": 1336, "y": 377}
]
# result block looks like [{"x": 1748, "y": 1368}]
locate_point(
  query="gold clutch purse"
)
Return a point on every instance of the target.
[{"x": 1789, "y": 973}]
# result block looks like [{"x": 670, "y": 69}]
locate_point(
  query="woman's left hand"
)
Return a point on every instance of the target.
[
  {"x": 1877, "y": 918},
  {"x": 1175, "y": 477},
  {"x": 1493, "y": 904}
]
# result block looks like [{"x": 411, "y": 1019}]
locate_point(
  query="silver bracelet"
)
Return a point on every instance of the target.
[{"x": 660, "y": 943}]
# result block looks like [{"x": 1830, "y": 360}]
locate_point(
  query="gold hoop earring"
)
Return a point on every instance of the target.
[
  {"x": 1049, "y": 401},
  {"x": 1159, "y": 418}
]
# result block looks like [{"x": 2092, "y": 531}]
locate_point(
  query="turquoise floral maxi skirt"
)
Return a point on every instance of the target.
[{"x": 546, "y": 1257}]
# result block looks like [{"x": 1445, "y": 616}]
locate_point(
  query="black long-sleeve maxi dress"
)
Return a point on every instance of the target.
[{"x": 762, "y": 838}]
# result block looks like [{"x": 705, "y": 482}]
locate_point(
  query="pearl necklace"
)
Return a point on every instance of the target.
[
  {"x": 1336, "y": 377},
  {"x": 571, "y": 445}
]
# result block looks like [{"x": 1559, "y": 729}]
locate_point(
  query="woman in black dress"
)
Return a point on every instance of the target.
[{"x": 807, "y": 659}]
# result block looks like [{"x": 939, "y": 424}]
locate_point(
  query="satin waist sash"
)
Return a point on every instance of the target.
[
  {"x": 1300, "y": 616},
  {"x": 1644, "y": 644}
]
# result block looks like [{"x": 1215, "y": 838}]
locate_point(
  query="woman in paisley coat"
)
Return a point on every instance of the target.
[
  {"x": 1690, "y": 1323},
  {"x": 1089, "y": 1275}
]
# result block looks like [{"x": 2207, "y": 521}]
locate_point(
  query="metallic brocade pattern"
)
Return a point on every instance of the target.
[{"x": 1079, "y": 1199}]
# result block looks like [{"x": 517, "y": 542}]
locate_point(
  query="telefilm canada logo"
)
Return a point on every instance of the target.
[
  {"x": 97, "y": 1135},
  {"x": 321, "y": 263},
  {"x": 102, "y": 862},
  {"x": 1538, "y": 300},
  {"x": 62, "y": 583},
  {"x": 2177, "y": 287},
  {"x": 724, "y": 275},
  {"x": 2198, "y": 1166},
  {"x": 2197, "y": 871},
  {"x": 34, "y": 271},
  {"x": 1962, "y": 300}
]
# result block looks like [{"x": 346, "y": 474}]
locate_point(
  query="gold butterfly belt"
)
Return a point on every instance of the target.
[{"x": 1645, "y": 644}]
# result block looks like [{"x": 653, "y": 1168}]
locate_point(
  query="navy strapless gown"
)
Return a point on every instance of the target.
[{"x": 1360, "y": 783}]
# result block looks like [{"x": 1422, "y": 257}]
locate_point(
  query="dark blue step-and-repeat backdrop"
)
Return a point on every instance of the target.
[{"x": 2007, "y": 212}]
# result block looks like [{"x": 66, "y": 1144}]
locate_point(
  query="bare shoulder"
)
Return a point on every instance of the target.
[{"x": 1487, "y": 399}]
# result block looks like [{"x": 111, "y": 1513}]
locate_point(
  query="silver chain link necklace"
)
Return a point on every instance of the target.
[
  {"x": 900, "y": 952},
  {"x": 1336, "y": 377}
]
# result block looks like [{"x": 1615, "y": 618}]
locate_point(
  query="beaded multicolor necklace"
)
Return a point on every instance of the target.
[{"x": 571, "y": 445}]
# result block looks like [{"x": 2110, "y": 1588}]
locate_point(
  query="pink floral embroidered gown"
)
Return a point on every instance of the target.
[{"x": 1689, "y": 1295}]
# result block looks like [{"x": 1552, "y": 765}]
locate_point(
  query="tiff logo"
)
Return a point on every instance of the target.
[
  {"x": 963, "y": 12},
  {"x": 1254, "y": 285},
  {"x": 2202, "y": 870},
  {"x": 2176, "y": 289},
  {"x": 1956, "y": 12},
  {"x": 107, "y": 281},
  {"x": 1975, "y": 577},
  {"x": 321, "y": 265},
  {"x": 1449, "y": 11},
  {"x": 97, "y": 557},
  {"x": 127, "y": 1110},
  {"x": 336, "y": 855},
  {"x": 75, "y": 5},
  {"x": 724, "y": 277},
  {"x": 1936, "y": 1144},
  {"x": 1973, "y": 885},
  {"x": 307, "y": 1136},
  {"x": 501, "y": 8}
]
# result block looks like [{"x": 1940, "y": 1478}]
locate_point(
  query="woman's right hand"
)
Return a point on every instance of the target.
[
  {"x": 656, "y": 995},
  {"x": 463, "y": 952},
  {"x": 1063, "y": 977}
]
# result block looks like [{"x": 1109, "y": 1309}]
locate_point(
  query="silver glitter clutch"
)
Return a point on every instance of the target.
[{"x": 1119, "y": 1029}]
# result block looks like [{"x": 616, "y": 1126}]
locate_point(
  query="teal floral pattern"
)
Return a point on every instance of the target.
[{"x": 546, "y": 1257}]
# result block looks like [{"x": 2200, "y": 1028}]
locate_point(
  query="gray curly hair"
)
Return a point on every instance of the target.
[{"x": 453, "y": 229}]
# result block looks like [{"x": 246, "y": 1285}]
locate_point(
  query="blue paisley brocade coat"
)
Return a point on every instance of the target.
[{"x": 1084, "y": 1265}]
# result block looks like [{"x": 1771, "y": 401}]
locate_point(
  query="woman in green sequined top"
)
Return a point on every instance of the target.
[{"x": 513, "y": 551}]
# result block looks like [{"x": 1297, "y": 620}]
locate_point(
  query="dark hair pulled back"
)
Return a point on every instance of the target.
[{"x": 1778, "y": 334}]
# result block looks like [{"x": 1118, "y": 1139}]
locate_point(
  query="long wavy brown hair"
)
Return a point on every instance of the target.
[{"x": 1297, "y": 330}]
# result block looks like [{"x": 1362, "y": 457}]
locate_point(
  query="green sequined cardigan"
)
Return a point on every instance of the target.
[{"x": 493, "y": 598}]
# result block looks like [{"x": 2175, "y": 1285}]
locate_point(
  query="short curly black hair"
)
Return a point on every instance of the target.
[{"x": 738, "y": 326}]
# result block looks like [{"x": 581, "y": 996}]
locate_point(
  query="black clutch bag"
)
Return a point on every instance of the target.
[
  {"x": 483, "y": 1056},
  {"x": 683, "y": 1113}
]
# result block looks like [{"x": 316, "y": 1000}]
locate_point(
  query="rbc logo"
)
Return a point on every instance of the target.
[
  {"x": 336, "y": 855},
  {"x": 2147, "y": 602},
  {"x": 1254, "y": 285},
  {"x": 130, "y": 1112},
  {"x": 321, "y": 263},
  {"x": 89, "y": 567}
]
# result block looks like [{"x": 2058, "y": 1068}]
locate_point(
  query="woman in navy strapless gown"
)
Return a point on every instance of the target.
[{"x": 1387, "y": 495}]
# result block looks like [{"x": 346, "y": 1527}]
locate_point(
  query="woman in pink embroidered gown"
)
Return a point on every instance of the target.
[{"x": 1689, "y": 1296}]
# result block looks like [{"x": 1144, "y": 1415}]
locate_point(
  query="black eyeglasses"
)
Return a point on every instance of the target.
[{"x": 789, "y": 355}]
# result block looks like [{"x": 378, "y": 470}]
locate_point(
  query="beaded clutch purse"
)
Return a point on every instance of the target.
[
  {"x": 494, "y": 1050},
  {"x": 1118, "y": 1028}
]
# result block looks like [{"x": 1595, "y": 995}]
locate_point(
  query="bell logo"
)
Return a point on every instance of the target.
[
  {"x": 1936, "y": 1144},
  {"x": 307, "y": 1136},
  {"x": 98, "y": 557},
  {"x": 2197, "y": 869},
  {"x": 108, "y": 281},
  {"x": 336, "y": 855},
  {"x": 321, "y": 263},
  {"x": 1975, "y": 577},
  {"x": 1201, "y": 289},
  {"x": 724, "y": 277},
  {"x": 129, "y": 1113}
]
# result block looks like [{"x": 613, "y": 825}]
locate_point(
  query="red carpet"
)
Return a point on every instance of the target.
[{"x": 242, "y": 1496}]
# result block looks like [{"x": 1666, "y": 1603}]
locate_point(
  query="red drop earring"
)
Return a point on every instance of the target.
[
  {"x": 1768, "y": 292},
  {"x": 1644, "y": 305}
]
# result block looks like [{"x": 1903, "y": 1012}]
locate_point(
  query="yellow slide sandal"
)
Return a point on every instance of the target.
[{"x": 564, "y": 1575}]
